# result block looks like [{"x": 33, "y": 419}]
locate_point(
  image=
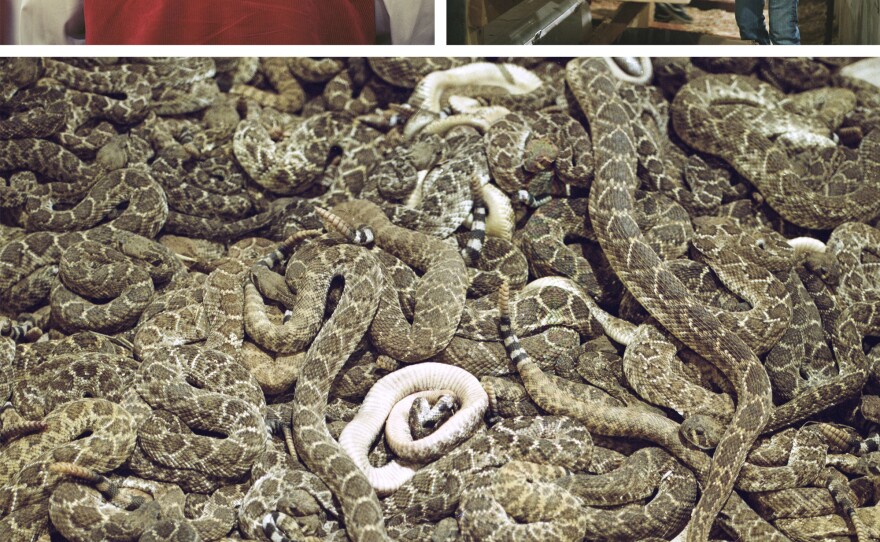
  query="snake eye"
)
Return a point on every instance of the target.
[{"x": 761, "y": 243}]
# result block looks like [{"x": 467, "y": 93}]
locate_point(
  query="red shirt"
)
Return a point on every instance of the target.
[{"x": 229, "y": 22}]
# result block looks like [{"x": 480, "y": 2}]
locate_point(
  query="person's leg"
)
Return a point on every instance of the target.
[
  {"x": 784, "y": 22},
  {"x": 750, "y": 19}
]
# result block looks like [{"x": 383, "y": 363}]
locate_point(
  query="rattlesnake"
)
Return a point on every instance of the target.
[
  {"x": 331, "y": 347},
  {"x": 377, "y": 405},
  {"x": 642, "y": 272},
  {"x": 133, "y": 509},
  {"x": 194, "y": 389},
  {"x": 603, "y": 222},
  {"x": 551, "y": 440},
  {"x": 25, "y": 263},
  {"x": 439, "y": 296},
  {"x": 765, "y": 164},
  {"x": 26, "y": 475},
  {"x": 290, "y": 165},
  {"x": 112, "y": 272}
]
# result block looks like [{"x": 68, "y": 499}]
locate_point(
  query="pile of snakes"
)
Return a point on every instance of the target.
[{"x": 438, "y": 299}]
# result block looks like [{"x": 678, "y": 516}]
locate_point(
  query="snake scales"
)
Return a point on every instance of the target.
[{"x": 582, "y": 305}]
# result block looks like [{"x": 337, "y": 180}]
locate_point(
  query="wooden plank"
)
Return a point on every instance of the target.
[
  {"x": 645, "y": 17},
  {"x": 611, "y": 29}
]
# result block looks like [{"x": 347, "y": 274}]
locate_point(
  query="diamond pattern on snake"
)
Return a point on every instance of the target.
[{"x": 451, "y": 299}]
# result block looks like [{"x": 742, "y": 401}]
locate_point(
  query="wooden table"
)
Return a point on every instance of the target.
[
  {"x": 629, "y": 14},
  {"x": 637, "y": 13}
]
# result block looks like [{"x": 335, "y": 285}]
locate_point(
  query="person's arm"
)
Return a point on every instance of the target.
[{"x": 75, "y": 27}]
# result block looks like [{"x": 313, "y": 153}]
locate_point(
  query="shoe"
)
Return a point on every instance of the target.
[{"x": 667, "y": 13}]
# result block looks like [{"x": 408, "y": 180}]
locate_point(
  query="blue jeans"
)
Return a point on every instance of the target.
[{"x": 783, "y": 22}]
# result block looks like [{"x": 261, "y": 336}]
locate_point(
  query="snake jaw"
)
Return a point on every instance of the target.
[{"x": 540, "y": 153}]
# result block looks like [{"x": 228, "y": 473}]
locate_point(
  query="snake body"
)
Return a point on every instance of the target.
[{"x": 237, "y": 294}]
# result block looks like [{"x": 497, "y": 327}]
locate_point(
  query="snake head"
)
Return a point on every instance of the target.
[
  {"x": 871, "y": 463},
  {"x": 275, "y": 425},
  {"x": 825, "y": 266},
  {"x": 18, "y": 73},
  {"x": 701, "y": 430},
  {"x": 539, "y": 154}
]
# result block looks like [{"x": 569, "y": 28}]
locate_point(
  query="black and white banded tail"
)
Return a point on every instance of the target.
[
  {"x": 361, "y": 235},
  {"x": 869, "y": 445},
  {"x": 284, "y": 249},
  {"x": 515, "y": 351},
  {"x": 473, "y": 248},
  {"x": 526, "y": 198},
  {"x": 271, "y": 529}
]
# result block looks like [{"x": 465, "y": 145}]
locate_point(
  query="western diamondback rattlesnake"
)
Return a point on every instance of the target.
[
  {"x": 214, "y": 329},
  {"x": 521, "y": 146},
  {"x": 436, "y": 490},
  {"x": 123, "y": 272},
  {"x": 132, "y": 509},
  {"x": 643, "y": 273},
  {"x": 26, "y": 474},
  {"x": 380, "y": 403},
  {"x": 616, "y": 420},
  {"x": 26, "y": 264},
  {"x": 439, "y": 295},
  {"x": 715, "y": 131},
  {"x": 331, "y": 347},
  {"x": 284, "y": 167},
  {"x": 193, "y": 389}
]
